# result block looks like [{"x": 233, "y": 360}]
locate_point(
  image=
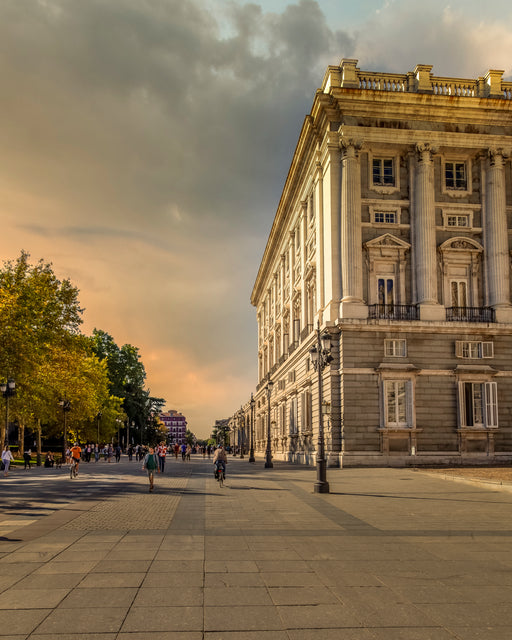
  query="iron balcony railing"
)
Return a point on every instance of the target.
[
  {"x": 393, "y": 312},
  {"x": 470, "y": 314}
]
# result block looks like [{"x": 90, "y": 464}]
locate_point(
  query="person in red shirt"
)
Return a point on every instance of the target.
[{"x": 161, "y": 450}]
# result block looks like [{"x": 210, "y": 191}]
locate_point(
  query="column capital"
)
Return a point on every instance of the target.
[
  {"x": 497, "y": 156},
  {"x": 350, "y": 147},
  {"x": 425, "y": 152}
]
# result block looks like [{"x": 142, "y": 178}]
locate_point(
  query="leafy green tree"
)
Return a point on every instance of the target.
[{"x": 38, "y": 312}]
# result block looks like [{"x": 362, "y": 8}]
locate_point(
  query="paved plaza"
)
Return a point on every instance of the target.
[{"x": 387, "y": 555}]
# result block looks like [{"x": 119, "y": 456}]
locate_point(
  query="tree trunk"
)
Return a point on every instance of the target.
[{"x": 38, "y": 442}]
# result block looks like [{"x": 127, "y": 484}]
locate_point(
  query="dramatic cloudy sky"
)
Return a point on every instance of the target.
[{"x": 144, "y": 145}]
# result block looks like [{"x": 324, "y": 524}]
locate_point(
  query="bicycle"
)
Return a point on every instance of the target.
[
  {"x": 73, "y": 469},
  {"x": 220, "y": 475}
]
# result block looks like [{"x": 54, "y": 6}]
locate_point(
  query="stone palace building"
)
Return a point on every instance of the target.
[{"x": 392, "y": 236}]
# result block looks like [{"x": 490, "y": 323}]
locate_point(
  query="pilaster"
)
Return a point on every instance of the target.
[
  {"x": 496, "y": 255},
  {"x": 425, "y": 236}
]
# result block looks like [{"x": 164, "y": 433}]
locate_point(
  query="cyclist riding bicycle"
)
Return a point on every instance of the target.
[
  {"x": 219, "y": 460},
  {"x": 75, "y": 456}
]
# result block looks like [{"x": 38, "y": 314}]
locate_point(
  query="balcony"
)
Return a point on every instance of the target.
[
  {"x": 470, "y": 314},
  {"x": 392, "y": 312}
]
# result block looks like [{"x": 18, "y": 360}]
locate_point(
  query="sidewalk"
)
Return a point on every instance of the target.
[{"x": 387, "y": 555}]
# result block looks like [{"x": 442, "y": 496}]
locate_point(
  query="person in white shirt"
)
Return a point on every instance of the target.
[{"x": 6, "y": 459}]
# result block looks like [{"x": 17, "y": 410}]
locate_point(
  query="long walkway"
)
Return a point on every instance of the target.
[{"x": 388, "y": 554}]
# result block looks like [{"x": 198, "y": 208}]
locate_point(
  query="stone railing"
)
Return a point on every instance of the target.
[{"x": 421, "y": 80}]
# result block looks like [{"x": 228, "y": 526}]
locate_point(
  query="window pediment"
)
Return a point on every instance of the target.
[
  {"x": 461, "y": 243},
  {"x": 387, "y": 241}
]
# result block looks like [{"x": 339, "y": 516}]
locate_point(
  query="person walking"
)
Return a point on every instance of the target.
[
  {"x": 176, "y": 450},
  {"x": 6, "y": 459},
  {"x": 162, "y": 450},
  {"x": 96, "y": 452},
  {"x": 27, "y": 457},
  {"x": 150, "y": 463},
  {"x": 118, "y": 453}
]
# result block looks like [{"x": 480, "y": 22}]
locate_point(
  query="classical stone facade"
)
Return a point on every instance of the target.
[{"x": 392, "y": 235}]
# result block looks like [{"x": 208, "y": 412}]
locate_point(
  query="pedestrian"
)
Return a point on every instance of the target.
[
  {"x": 96, "y": 452},
  {"x": 204, "y": 452},
  {"x": 188, "y": 451},
  {"x": 150, "y": 463},
  {"x": 110, "y": 452},
  {"x": 130, "y": 453},
  {"x": 88, "y": 452},
  {"x": 27, "y": 457},
  {"x": 49, "y": 460},
  {"x": 6, "y": 459},
  {"x": 183, "y": 451},
  {"x": 176, "y": 450},
  {"x": 118, "y": 453},
  {"x": 162, "y": 450}
]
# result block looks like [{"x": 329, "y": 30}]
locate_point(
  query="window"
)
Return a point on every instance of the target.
[
  {"x": 457, "y": 220},
  {"x": 383, "y": 172},
  {"x": 307, "y": 412},
  {"x": 397, "y": 403},
  {"x": 470, "y": 349},
  {"x": 385, "y": 217},
  {"x": 293, "y": 415},
  {"x": 385, "y": 289},
  {"x": 478, "y": 404},
  {"x": 459, "y": 293},
  {"x": 395, "y": 348},
  {"x": 455, "y": 175}
]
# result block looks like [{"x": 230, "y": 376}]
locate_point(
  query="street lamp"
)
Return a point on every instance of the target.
[
  {"x": 268, "y": 451},
  {"x": 242, "y": 428},
  {"x": 321, "y": 357},
  {"x": 66, "y": 406},
  {"x": 251, "y": 452},
  {"x": 8, "y": 390}
]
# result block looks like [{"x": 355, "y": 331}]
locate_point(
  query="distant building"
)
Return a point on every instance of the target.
[
  {"x": 392, "y": 237},
  {"x": 176, "y": 424}
]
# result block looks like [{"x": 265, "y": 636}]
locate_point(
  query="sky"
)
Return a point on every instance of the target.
[{"x": 144, "y": 145}]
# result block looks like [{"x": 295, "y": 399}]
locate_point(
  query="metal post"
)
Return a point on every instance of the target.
[
  {"x": 251, "y": 452},
  {"x": 268, "y": 450},
  {"x": 321, "y": 357}
]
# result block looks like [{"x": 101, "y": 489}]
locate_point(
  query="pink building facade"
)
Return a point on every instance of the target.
[{"x": 176, "y": 424}]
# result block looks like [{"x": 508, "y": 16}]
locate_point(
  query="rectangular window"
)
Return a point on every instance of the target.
[
  {"x": 478, "y": 404},
  {"x": 457, "y": 221},
  {"x": 293, "y": 415},
  {"x": 385, "y": 289},
  {"x": 459, "y": 293},
  {"x": 385, "y": 217},
  {"x": 396, "y": 399},
  {"x": 307, "y": 413},
  {"x": 395, "y": 348},
  {"x": 474, "y": 350},
  {"x": 455, "y": 175},
  {"x": 383, "y": 172}
]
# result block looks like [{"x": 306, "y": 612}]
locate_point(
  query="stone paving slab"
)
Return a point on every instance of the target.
[{"x": 387, "y": 555}]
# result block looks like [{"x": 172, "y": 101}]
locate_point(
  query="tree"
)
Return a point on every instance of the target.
[
  {"x": 127, "y": 377},
  {"x": 38, "y": 312}
]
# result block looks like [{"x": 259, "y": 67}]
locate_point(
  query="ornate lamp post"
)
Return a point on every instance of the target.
[
  {"x": 242, "y": 432},
  {"x": 321, "y": 357},
  {"x": 268, "y": 450},
  {"x": 251, "y": 452},
  {"x": 8, "y": 390},
  {"x": 66, "y": 407}
]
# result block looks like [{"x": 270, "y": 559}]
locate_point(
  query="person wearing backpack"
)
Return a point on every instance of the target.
[{"x": 151, "y": 464}]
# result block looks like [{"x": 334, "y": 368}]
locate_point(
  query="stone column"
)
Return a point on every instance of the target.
[
  {"x": 425, "y": 236},
  {"x": 496, "y": 256},
  {"x": 352, "y": 305},
  {"x": 303, "y": 233}
]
